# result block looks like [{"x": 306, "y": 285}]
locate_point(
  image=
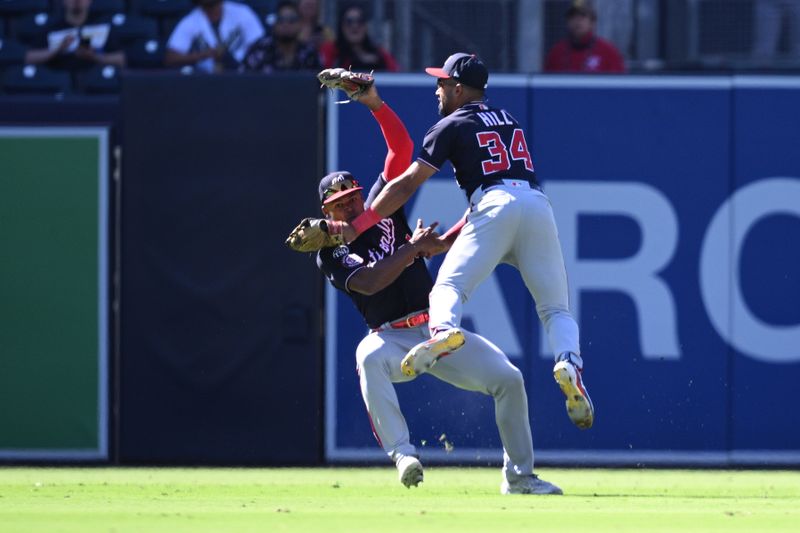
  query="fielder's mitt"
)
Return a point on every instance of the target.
[
  {"x": 354, "y": 84},
  {"x": 312, "y": 235}
]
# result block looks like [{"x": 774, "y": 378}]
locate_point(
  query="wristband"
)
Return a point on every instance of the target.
[
  {"x": 365, "y": 220},
  {"x": 455, "y": 229}
]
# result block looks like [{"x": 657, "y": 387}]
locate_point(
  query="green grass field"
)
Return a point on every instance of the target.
[{"x": 370, "y": 499}]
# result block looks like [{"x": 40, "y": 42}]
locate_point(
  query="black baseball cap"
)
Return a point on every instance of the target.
[
  {"x": 335, "y": 185},
  {"x": 466, "y": 69}
]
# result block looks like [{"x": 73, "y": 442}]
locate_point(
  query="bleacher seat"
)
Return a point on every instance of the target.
[
  {"x": 31, "y": 79},
  {"x": 30, "y": 28},
  {"x": 100, "y": 79},
  {"x": 167, "y": 26},
  {"x": 145, "y": 54},
  {"x": 107, "y": 7},
  {"x": 13, "y": 8},
  {"x": 11, "y": 52},
  {"x": 162, "y": 8},
  {"x": 127, "y": 29},
  {"x": 167, "y": 13}
]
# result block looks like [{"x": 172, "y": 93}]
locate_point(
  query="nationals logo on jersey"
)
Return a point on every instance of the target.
[
  {"x": 352, "y": 260},
  {"x": 340, "y": 251}
]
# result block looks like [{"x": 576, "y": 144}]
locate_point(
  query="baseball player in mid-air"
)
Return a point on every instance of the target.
[
  {"x": 384, "y": 273},
  {"x": 510, "y": 221}
]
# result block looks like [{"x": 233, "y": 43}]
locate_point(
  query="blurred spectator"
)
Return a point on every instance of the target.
[
  {"x": 771, "y": 16},
  {"x": 214, "y": 36},
  {"x": 75, "y": 40},
  {"x": 582, "y": 50},
  {"x": 283, "y": 49},
  {"x": 353, "y": 47},
  {"x": 312, "y": 31}
]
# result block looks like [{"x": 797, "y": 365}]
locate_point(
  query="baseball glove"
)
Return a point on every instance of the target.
[
  {"x": 354, "y": 84},
  {"x": 311, "y": 235}
]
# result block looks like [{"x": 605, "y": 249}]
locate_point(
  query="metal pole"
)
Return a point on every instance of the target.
[{"x": 530, "y": 35}]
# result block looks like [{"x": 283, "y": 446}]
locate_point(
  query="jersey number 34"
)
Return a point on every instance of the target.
[{"x": 499, "y": 160}]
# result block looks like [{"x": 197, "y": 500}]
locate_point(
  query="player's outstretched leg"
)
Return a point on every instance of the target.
[
  {"x": 425, "y": 354},
  {"x": 567, "y": 371},
  {"x": 409, "y": 470},
  {"x": 529, "y": 485}
]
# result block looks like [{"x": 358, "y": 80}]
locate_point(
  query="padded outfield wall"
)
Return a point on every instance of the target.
[
  {"x": 54, "y": 349},
  {"x": 678, "y": 204}
]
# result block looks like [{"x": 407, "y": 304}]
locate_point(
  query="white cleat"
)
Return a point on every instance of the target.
[
  {"x": 529, "y": 485},
  {"x": 425, "y": 354},
  {"x": 579, "y": 406},
  {"x": 409, "y": 470}
]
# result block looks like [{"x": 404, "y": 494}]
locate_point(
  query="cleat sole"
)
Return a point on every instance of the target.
[
  {"x": 579, "y": 406},
  {"x": 434, "y": 349}
]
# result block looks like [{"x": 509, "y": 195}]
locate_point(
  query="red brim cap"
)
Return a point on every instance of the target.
[
  {"x": 437, "y": 72},
  {"x": 334, "y": 197}
]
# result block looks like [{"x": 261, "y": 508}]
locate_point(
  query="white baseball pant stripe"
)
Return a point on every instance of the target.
[
  {"x": 478, "y": 366},
  {"x": 514, "y": 226}
]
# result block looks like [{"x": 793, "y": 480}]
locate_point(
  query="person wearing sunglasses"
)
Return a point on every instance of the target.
[
  {"x": 283, "y": 50},
  {"x": 354, "y": 48}
]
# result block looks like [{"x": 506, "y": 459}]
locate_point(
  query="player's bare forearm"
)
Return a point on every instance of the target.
[
  {"x": 392, "y": 197},
  {"x": 425, "y": 242},
  {"x": 399, "y": 190},
  {"x": 378, "y": 276}
]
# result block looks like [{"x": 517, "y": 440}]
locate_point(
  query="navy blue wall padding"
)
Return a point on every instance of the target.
[{"x": 221, "y": 349}]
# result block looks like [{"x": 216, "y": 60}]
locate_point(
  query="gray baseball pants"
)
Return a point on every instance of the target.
[
  {"x": 511, "y": 224},
  {"x": 478, "y": 366}
]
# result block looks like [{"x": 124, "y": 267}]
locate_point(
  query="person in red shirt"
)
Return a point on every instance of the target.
[{"x": 582, "y": 50}]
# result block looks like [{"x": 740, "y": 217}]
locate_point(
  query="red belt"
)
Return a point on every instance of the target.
[{"x": 411, "y": 321}]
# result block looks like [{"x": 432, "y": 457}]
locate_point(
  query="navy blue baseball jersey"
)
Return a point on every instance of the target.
[
  {"x": 485, "y": 144},
  {"x": 407, "y": 294}
]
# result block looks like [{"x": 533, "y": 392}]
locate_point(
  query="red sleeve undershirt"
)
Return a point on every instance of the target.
[
  {"x": 399, "y": 145},
  {"x": 399, "y": 149}
]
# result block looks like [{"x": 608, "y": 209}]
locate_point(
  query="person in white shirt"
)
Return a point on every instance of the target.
[
  {"x": 214, "y": 36},
  {"x": 75, "y": 39}
]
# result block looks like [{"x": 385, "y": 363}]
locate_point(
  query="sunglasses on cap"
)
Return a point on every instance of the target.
[{"x": 339, "y": 187}]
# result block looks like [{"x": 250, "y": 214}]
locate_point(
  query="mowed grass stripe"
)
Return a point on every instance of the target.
[{"x": 371, "y": 499}]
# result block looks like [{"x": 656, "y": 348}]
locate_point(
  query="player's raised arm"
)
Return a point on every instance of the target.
[
  {"x": 399, "y": 145},
  {"x": 403, "y": 180}
]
